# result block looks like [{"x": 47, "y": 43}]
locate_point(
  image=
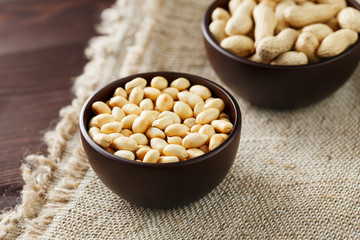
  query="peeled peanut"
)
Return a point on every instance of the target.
[
  {"x": 140, "y": 138},
  {"x": 131, "y": 108},
  {"x": 93, "y": 130},
  {"x": 171, "y": 91},
  {"x": 225, "y": 136},
  {"x": 125, "y": 154},
  {"x": 114, "y": 136},
  {"x": 102, "y": 119},
  {"x": 151, "y": 156},
  {"x": 225, "y": 119},
  {"x": 118, "y": 113},
  {"x": 136, "y": 82},
  {"x": 159, "y": 82},
  {"x": 196, "y": 128},
  {"x": 241, "y": 21},
  {"x": 200, "y": 90},
  {"x": 217, "y": 30},
  {"x": 126, "y": 132},
  {"x": 175, "y": 150},
  {"x": 176, "y": 129},
  {"x": 190, "y": 122},
  {"x": 239, "y": 45},
  {"x": 220, "y": 14},
  {"x": 152, "y": 93},
  {"x": 208, "y": 130},
  {"x": 168, "y": 159},
  {"x": 207, "y": 116},
  {"x": 158, "y": 144},
  {"x": 174, "y": 116},
  {"x": 349, "y": 18},
  {"x": 217, "y": 103},
  {"x": 100, "y": 107},
  {"x": 164, "y": 102},
  {"x": 215, "y": 141},
  {"x": 224, "y": 115},
  {"x": 174, "y": 140},
  {"x": 199, "y": 107},
  {"x": 140, "y": 125},
  {"x": 136, "y": 95},
  {"x": 209, "y": 99},
  {"x": 112, "y": 127},
  {"x": 128, "y": 121},
  {"x": 180, "y": 83},
  {"x": 163, "y": 122},
  {"x": 92, "y": 122},
  {"x": 204, "y": 148},
  {"x": 102, "y": 139},
  {"x": 337, "y": 42},
  {"x": 222, "y": 126},
  {"x": 190, "y": 98},
  {"x": 125, "y": 143},
  {"x": 151, "y": 115},
  {"x": 183, "y": 110},
  {"x": 117, "y": 101},
  {"x": 319, "y": 30},
  {"x": 194, "y": 152},
  {"x": 110, "y": 150},
  {"x": 120, "y": 92},
  {"x": 140, "y": 153},
  {"x": 154, "y": 132},
  {"x": 194, "y": 140},
  {"x": 146, "y": 104}
]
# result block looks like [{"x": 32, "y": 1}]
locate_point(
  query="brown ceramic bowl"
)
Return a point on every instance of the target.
[
  {"x": 162, "y": 185},
  {"x": 281, "y": 87}
]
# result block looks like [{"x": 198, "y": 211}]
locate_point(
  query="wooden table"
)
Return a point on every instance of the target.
[{"x": 41, "y": 49}]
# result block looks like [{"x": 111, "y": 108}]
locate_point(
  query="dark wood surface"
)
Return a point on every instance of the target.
[{"x": 41, "y": 49}]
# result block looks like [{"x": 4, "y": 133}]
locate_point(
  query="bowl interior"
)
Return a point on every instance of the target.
[{"x": 105, "y": 93}]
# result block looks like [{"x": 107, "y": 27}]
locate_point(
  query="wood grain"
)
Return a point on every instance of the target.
[{"x": 41, "y": 50}]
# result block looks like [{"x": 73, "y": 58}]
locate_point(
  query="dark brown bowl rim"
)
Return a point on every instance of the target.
[
  {"x": 210, "y": 39},
  {"x": 120, "y": 82}
]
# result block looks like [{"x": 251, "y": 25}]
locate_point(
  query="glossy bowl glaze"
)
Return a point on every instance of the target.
[
  {"x": 162, "y": 185},
  {"x": 280, "y": 87}
]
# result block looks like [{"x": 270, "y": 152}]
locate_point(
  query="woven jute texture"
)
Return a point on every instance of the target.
[{"x": 296, "y": 174}]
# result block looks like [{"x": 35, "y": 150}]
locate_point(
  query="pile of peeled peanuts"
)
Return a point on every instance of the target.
[
  {"x": 286, "y": 32},
  {"x": 160, "y": 123}
]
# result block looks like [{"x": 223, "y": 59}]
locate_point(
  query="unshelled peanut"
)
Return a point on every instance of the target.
[
  {"x": 335, "y": 43},
  {"x": 250, "y": 34},
  {"x": 349, "y": 18},
  {"x": 291, "y": 58}
]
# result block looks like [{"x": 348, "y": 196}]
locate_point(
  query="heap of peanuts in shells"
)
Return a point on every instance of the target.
[
  {"x": 160, "y": 123},
  {"x": 286, "y": 32}
]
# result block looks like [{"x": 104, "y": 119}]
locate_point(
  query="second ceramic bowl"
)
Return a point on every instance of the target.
[{"x": 281, "y": 87}]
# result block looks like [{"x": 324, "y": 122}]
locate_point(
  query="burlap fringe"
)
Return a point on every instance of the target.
[
  {"x": 40, "y": 200},
  {"x": 38, "y": 170}
]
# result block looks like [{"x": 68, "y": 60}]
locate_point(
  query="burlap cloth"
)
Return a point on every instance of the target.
[{"x": 296, "y": 175}]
